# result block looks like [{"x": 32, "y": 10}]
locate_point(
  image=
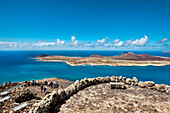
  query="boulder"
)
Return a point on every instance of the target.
[
  {"x": 76, "y": 83},
  {"x": 113, "y": 79},
  {"x": 79, "y": 86},
  {"x": 168, "y": 89},
  {"x": 94, "y": 80},
  {"x": 100, "y": 80},
  {"x": 117, "y": 79},
  {"x": 124, "y": 79},
  {"x": 128, "y": 81},
  {"x": 70, "y": 90},
  {"x": 90, "y": 81},
  {"x": 73, "y": 88},
  {"x": 120, "y": 78},
  {"x": 142, "y": 84},
  {"x": 115, "y": 85},
  {"x": 83, "y": 83},
  {"x": 67, "y": 91},
  {"x": 161, "y": 87},
  {"x": 107, "y": 79},
  {"x": 103, "y": 79},
  {"x": 86, "y": 82},
  {"x": 135, "y": 80},
  {"x": 61, "y": 94},
  {"x": 150, "y": 83}
]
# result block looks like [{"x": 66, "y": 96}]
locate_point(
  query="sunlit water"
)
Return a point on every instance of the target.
[{"x": 16, "y": 66}]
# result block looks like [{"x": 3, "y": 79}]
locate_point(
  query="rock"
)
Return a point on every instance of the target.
[
  {"x": 117, "y": 85},
  {"x": 36, "y": 104},
  {"x": 117, "y": 79},
  {"x": 135, "y": 80},
  {"x": 90, "y": 81},
  {"x": 142, "y": 84},
  {"x": 107, "y": 79},
  {"x": 62, "y": 94},
  {"x": 100, "y": 80},
  {"x": 95, "y": 80},
  {"x": 120, "y": 78},
  {"x": 128, "y": 81},
  {"x": 82, "y": 84},
  {"x": 76, "y": 83},
  {"x": 69, "y": 90},
  {"x": 168, "y": 90},
  {"x": 124, "y": 79},
  {"x": 86, "y": 82},
  {"x": 113, "y": 79},
  {"x": 79, "y": 86},
  {"x": 161, "y": 87},
  {"x": 73, "y": 88},
  {"x": 150, "y": 83},
  {"x": 54, "y": 97}
]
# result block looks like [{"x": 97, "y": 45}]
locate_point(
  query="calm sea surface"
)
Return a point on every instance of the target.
[{"x": 15, "y": 66}]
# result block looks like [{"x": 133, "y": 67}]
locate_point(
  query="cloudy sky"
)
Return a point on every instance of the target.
[{"x": 85, "y": 24}]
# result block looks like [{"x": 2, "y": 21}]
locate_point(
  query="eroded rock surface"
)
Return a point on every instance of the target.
[{"x": 102, "y": 99}]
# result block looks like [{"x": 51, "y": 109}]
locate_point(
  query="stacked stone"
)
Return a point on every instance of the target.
[
  {"x": 18, "y": 95},
  {"x": 22, "y": 94},
  {"x": 8, "y": 86},
  {"x": 55, "y": 98}
]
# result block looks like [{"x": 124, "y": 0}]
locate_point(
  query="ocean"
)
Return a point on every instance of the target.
[{"x": 16, "y": 66}]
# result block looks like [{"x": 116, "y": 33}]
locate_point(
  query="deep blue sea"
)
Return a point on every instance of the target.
[{"x": 16, "y": 66}]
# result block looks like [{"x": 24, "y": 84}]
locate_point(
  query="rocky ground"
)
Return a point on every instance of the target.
[
  {"x": 28, "y": 94},
  {"x": 18, "y": 96},
  {"x": 8, "y": 86},
  {"x": 102, "y": 99},
  {"x": 37, "y": 90}
]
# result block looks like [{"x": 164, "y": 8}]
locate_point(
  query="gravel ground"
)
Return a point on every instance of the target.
[{"x": 102, "y": 99}]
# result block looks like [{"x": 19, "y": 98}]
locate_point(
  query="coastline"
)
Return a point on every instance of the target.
[
  {"x": 126, "y": 59},
  {"x": 131, "y": 63}
]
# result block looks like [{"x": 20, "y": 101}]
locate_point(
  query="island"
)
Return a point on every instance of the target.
[{"x": 125, "y": 59}]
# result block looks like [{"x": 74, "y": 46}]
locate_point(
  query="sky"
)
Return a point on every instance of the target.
[{"x": 85, "y": 25}]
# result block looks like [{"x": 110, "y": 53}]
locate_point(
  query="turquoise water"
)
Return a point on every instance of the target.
[{"x": 15, "y": 66}]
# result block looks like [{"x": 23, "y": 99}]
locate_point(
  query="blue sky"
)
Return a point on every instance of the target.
[{"x": 96, "y": 24}]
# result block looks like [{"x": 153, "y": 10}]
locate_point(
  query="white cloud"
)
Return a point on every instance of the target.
[
  {"x": 101, "y": 41},
  {"x": 119, "y": 44},
  {"x": 62, "y": 42},
  {"x": 129, "y": 41},
  {"x": 116, "y": 41},
  {"x": 162, "y": 41},
  {"x": 100, "y": 44},
  {"x": 59, "y": 42},
  {"x": 73, "y": 40},
  {"x": 45, "y": 44},
  {"x": 140, "y": 42}
]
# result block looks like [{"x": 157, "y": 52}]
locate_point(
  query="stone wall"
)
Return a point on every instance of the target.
[
  {"x": 55, "y": 98},
  {"x": 18, "y": 95},
  {"x": 22, "y": 94}
]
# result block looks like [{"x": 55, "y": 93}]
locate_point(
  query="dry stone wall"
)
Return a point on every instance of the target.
[{"x": 55, "y": 98}]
